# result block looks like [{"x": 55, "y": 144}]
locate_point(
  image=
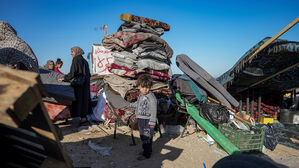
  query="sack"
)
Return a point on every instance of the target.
[
  {"x": 214, "y": 113},
  {"x": 78, "y": 81},
  {"x": 188, "y": 90},
  {"x": 271, "y": 139}
]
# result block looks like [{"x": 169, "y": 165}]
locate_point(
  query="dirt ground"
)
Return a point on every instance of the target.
[{"x": 168, "y": 151}]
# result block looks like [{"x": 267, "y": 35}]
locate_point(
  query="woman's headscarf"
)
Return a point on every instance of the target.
[
  {"x": 48, "y": 63},
  {"x": 77, "y": 50}
]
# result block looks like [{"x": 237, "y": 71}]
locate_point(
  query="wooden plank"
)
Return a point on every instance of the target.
[
  {"x": 41, "y": 87},
  {"x": 10, "y": 91},
  {"x": 18, "y": 75},
  {"x": 97, "y": 77},
  {"x": 15, "y": 92},
  {"x": 26, "y": 103},
  {"x": 7, "y": 120},
  {"x": 5, "y": 129},
  {"x": 23, "y": 107},
  {"x": 58, "y": 145},
  {"x": 44, "y": 133}
]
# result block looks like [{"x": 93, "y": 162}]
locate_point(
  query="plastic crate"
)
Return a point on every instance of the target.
[{"x": 246, "y": 141}]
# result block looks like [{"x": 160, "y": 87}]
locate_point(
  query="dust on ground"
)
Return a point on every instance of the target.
[{"x": 168, "y": 151}]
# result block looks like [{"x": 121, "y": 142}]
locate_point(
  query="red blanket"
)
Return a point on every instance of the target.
[
  {"x": 57, "y": 112},
  {"x": 265, "y": 109},
  {"x": 135, "y": 73}
]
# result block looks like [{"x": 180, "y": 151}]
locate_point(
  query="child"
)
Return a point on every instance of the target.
[
  {"x": 59, "y": 64},
  {"x": 146, "y": 111}
]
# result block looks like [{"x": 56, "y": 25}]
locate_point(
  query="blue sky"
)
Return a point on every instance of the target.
[{"x": 215, "y": 34}]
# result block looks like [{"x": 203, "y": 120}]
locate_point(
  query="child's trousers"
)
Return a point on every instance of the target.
[{"x": 146, "y": 136}]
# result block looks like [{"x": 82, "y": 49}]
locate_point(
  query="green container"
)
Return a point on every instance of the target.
[{"x": 245, "y": 140}]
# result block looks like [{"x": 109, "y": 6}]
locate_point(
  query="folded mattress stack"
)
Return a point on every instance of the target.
[{"x": 138, "y": 49}]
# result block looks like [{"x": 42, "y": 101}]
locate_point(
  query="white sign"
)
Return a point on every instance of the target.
[{"x": 101, "y": 59}]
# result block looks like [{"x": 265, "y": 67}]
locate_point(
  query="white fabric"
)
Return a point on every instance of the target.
[{"x": 99, "y": 109}]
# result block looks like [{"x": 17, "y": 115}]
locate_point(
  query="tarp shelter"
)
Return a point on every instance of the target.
[
  {"x": 276, "y": 67},
  {"x": 270, "y": 72}
]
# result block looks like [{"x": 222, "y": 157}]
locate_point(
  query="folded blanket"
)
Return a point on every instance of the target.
[
  {"x": 156, "y": 54},
  {"x": 135, "y": 27},
  {"x": 115, "y": 99},
  {"x": 166, "y": 61},
  {"x": 159, "y": 85},
  {"x": 119, "y": 84},
  {"x": 156, "y": 77},
  {"x": 126, "y": 62},
  {"x": 151, "y": 22},
  {"x": 151, "y": 45},
  {"x": 157, "y": 73},
  {"x": 123, "y": 40},
  {"x": 152, "y": 64},
  {"x": 57, "y": 112},
  {"x": 61, "y": 92},
  {"x": 133, "y": 74},
  {"x": 124, "y": 71},
  {"x": 154, "y": 44},
  {"x": 124, "y": 54}
]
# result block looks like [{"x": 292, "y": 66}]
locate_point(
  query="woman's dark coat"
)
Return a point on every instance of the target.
[{"x": 81, "y": 106}]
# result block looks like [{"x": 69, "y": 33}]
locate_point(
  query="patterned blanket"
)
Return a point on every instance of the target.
[
  {"x": 123, "y": 40},
  {"x": 124, "y": 71},
  {"x": 135, "y": 27},
  {"x": 13, "y": 49},
  {"x": 151, "y": 22}
]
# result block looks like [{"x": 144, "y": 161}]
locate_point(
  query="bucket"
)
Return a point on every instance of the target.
[{"x": 286, "y": 116}]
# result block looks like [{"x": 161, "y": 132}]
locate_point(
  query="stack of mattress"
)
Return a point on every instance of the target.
[{"x": 138, "y": 49}]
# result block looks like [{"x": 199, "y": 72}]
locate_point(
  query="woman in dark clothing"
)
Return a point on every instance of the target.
[{"x": 80, "y": 107}]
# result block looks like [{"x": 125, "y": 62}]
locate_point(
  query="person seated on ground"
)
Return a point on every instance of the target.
[
  {"x": 146, "y": 112},
  {"x": 58, "y": 65},
  {"x": 79, "y": 70},
  {"x": 49, "y": 65}
]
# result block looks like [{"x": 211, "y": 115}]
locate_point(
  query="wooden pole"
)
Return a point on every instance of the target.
[
  {"x": 259, "y": 106},
  {"x": 240, "y": 104},
  {"x": 247, "y": 103},
  {"x": 251, "y": 108},
  {"x": 252, "y": 103}
]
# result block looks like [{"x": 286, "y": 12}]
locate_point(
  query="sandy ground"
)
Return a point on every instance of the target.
[{"x": 168, "y": 152}]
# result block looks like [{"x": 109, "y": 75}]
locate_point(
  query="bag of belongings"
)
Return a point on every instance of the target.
[
  {"x": 214, "y": 113},
  {"x": 189, "y": 92}
]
